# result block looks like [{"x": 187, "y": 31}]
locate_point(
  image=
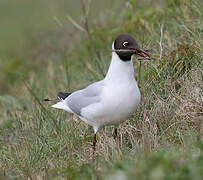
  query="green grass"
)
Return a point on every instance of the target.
[{"x": 162, "y": 140}]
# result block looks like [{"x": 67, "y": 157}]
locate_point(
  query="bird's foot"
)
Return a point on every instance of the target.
[{"x": 115, "y": 134}]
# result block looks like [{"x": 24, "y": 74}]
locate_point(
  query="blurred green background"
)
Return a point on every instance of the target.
[
  {"x": 21, "y": 20},
  {"x": 33, "y": 31}
]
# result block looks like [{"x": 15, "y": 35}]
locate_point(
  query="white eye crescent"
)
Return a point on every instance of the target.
[{"x": 125, "y": 43}]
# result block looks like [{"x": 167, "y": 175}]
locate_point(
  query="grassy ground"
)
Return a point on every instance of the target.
[{"x": 163, "y": 139}]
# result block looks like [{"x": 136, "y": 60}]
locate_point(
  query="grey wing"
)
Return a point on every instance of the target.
[{"x": 85, "y": 97}]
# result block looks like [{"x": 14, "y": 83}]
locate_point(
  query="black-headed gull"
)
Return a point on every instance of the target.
[{"x": 113, "y": 99}]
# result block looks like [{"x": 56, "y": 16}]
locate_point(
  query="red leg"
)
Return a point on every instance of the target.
[{"x": 94, "y": 143}]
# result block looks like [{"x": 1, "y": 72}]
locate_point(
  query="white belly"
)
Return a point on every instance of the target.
[{"x": 115, "y": 107}]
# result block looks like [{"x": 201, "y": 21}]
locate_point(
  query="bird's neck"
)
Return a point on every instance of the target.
[{"x": 120, "y": 70}]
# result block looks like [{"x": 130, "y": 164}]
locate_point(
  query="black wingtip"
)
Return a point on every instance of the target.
[
  {"x": 47, "y": 99},
  {"x": 62, "y": 95}
]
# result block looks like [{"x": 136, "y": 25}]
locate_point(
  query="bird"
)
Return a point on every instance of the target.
[{"x": 112, "y": 100}]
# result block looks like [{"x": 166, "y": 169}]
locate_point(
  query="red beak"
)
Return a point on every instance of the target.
[{"x": 142, "y": 53}]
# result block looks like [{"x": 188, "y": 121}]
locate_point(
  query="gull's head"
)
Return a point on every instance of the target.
[{"x": 125, "y": 46}]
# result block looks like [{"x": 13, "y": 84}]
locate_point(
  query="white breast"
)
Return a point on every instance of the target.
[
  {"x": 120, "y": 96},
  {"x": 118, "y": 103}
]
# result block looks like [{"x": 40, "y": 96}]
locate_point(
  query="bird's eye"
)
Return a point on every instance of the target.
[{"x": 125, "y": 43}]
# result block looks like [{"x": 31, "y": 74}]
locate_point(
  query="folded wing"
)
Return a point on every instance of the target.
[{"x": 78, "y": 100}]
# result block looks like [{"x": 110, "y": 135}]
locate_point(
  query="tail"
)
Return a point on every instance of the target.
[{"x": 62, "y": 105}]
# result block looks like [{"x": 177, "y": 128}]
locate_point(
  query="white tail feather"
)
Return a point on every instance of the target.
[{"x": 61, "y": 105}]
